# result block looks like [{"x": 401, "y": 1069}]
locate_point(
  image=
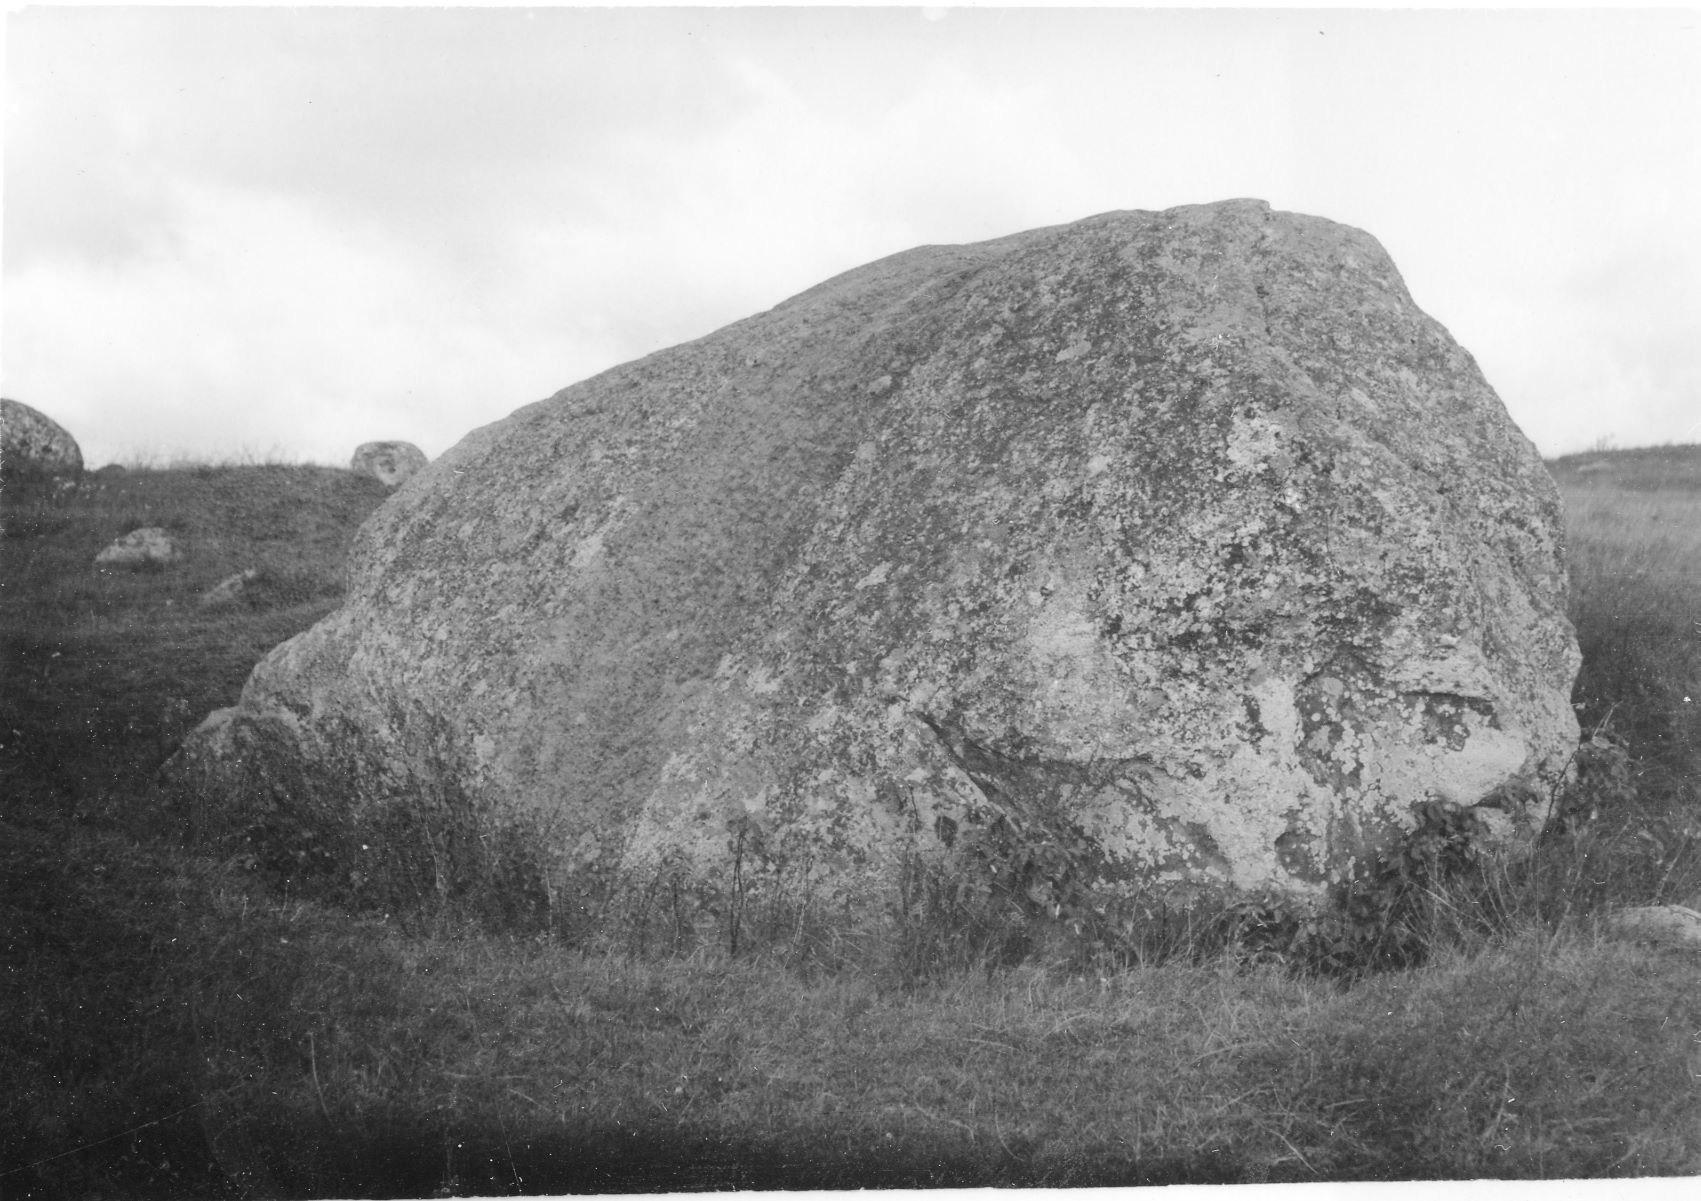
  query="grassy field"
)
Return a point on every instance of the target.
[{"x": 178, "y": 1029}]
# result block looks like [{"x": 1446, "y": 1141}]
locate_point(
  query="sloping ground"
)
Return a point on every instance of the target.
[
  {"x": 1645, "y": 469},
  {"x": 1633, "y": 525}
]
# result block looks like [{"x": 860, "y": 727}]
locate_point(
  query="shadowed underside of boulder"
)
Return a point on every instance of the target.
[{"x": 1180, "y": 543}]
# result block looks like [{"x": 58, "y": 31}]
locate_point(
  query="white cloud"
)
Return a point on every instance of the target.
[
  {"x": 297, "y": 229},
  {"x": 263, "y": 331}
]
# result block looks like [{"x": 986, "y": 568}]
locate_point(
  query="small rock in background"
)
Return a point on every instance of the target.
[
  {"x": 32, "y": 444},
  {"x": 1669, "y": 925},
  {"x": 139, "y": 547},
  {"x": 229, "y": 591},
  {"x": 389, "y": 463}
]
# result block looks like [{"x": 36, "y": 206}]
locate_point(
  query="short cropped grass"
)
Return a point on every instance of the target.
[
  {"x": 1634, "y": 532},
  {"x": 177, "y": 1029},
  {"x": 1636, "y": 563},
  {"x": 298, "y": 1052}
]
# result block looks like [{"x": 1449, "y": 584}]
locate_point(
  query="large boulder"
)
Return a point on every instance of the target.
[
  {"x": 390, "y": 463},
  {"x": 33, "y": 445},
  {"x": 1169, "y": 555}
]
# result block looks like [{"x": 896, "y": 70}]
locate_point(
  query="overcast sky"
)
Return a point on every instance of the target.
[{"x": 282, "y": 232}]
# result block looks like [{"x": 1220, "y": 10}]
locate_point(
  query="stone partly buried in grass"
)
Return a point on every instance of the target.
[
  {"x": 147, "y": 547},
  {"x": 1175, "y": 552}
]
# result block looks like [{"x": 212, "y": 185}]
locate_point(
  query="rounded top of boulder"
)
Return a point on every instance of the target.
[
  {"x": 390, "y": 463},
  {"x": 1182, "y": 539},
  {"x": 33, "y": 444}
]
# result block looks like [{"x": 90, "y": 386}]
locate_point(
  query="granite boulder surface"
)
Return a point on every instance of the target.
[{"x": 1171, "y": 553}]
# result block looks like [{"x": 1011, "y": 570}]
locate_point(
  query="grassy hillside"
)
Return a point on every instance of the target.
[
  {"x": 109, "y": 667},
  {"x": 179, "y": 1029},
  {"x": 1634, "y": 523}
]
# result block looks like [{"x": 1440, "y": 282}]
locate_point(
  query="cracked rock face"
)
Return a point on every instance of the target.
[{"x": 1183, "y": 539}]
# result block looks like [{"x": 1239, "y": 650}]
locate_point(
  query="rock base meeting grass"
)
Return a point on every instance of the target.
[{"x": 180, "y": 1026}]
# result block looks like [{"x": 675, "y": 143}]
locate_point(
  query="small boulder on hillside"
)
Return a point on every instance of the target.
[
  {"x": 33, "y": 445},
  {"x": 229, "y": 591},
  {"x": 148, "y": 546},
  {"x": 389, "y": 463}
]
